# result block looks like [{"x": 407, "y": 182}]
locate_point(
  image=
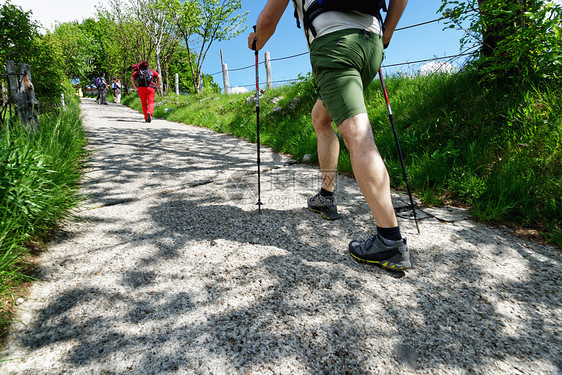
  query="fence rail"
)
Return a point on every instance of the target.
[{"x": 226, "y": 71}]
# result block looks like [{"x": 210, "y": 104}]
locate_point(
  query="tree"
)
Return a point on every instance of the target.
[
  {"x": 200, "y": 24},
  {"x": 21, "y": 42},
  {"x": 178, "y": 65},
  {"x": 138, "y": 31},
  {"x": 99, "y": 34},
  {"x": 17, "y": 33},
  {"x": 127, "y": 31},
  {"x": 518, "y": 39},
  {"x": 76, "y": 48},
  {"x": 119, "y": 52},
  {"x": 152, "y": 14}
]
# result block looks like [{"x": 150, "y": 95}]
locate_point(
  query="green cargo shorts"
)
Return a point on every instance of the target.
[{"x": 344, "y": 63}]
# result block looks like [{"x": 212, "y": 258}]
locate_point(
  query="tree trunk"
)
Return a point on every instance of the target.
[
  {"x": 489, "y": 38},
  {"x": 21, "y": 88},
  {"x": 494, "y": 28}
]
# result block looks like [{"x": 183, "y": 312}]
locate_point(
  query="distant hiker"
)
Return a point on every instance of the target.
[
  {"x": 97, "y": 84},
  {"x": 103, "y": 89},
  {"x": 143, "y": 81},
  {"x": 346, "y": 51},
  {"x": 117, "y": 89}
]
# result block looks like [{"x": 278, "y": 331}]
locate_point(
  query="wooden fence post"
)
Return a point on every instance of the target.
[
  {"x": 6, "y": 104},
  {"x": 268, "y": 69},
  {"x": 22, "y": 90},
  {"x": 225, "y": 80},
  {"x": 12, "y": 78},
  {"x": 4, "y": 94},
  {"x": 200, "y": 79}
]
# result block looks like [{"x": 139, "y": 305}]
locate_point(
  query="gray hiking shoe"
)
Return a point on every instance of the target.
[
  {"x": 393, "y": 255},
  {"x": 326, "y": 206}
]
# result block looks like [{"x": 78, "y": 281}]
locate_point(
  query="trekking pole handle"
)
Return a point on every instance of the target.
[
  {"x": 257, "y": 71},
  {"x": 255, "y": 41}
]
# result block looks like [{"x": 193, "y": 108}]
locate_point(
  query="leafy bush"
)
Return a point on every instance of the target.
[
  {"x": 39, "y": 174},
  {"x": 518, "y": 41}
]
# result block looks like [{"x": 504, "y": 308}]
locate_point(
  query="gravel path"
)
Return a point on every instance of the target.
[{"x": 172, "y": 271}]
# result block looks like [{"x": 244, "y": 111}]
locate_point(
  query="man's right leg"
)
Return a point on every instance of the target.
[
  {"x": 144, "y": 103},
  {"x": 387, "y": 247}
]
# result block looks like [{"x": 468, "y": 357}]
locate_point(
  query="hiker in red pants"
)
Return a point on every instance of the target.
[{"x": 143, "y": 81}]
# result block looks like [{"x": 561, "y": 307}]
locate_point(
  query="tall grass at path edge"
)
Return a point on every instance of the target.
[{"x": 39, "y": 176}]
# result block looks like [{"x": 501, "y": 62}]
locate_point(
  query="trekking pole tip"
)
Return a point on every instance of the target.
[{"x": 416, "y": 219}]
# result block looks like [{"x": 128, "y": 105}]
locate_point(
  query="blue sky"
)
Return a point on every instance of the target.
[
  {"x": 419, "y": 43},
  {"x": 424, "y": 42}
]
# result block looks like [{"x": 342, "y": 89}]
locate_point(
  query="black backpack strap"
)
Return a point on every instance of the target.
[
  {"x": 296, "y": 14},
  {"x": 313, "y": 11},
  {"x": 382, "y": 7}
]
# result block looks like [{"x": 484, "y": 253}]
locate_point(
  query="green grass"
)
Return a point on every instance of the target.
[
  {"x": 39, "y": 174},
  {"x": 493, "y": 149}
]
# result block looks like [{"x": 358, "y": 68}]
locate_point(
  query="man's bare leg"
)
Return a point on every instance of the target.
[
  {"x": 387, "y": 247},
  {"x": 328, "y": 145},
  {"x": 369, "y": 169}
]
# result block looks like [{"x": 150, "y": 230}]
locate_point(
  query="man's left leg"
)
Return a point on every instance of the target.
[{"x": 328, "y": 147}]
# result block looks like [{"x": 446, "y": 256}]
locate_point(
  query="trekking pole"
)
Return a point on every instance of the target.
[
  {"x": 258, "y": 119},
  {"x": 398, "y": 147}
]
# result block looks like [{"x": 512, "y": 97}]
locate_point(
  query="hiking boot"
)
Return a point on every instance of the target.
[
  {"x": 326, "y": 206},
  {"x": 393, "y": 255},
  {"x": 148, "y": 117}
]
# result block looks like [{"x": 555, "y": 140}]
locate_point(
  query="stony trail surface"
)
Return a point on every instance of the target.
[{"x": 172, "y": 270}]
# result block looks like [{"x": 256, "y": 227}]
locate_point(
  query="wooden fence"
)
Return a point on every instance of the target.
[{"x": 21, "y": 94}]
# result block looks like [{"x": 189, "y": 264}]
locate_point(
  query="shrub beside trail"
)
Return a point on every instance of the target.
[{"x": 39, "y": 176}]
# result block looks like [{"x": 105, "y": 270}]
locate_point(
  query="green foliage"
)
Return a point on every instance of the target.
[
  {"x": 76, "y": 47},
  {"x": 178, "y": 65},
  {"x": 98, "y": 57},
  {"x": 201, "y": 23},
  {"x": 21, "y": 43},
  {"x": 494, "y": 148},
  {"x": 520, "y": 41},
  {"x": 17, "y": 32},
  {"x": 38, "y": 172},
  {"x": 47, "y": 72},
  {"x": 39, "y": 175}
]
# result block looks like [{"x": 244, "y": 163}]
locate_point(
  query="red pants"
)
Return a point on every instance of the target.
[{"x": 146, "y": 95}]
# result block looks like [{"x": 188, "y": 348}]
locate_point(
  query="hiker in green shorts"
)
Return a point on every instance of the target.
[{"x": 346, "y": 51}]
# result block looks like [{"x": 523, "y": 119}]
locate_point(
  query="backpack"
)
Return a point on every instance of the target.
[
  {"x": 144, "y": 77},
  {"x": 98, "y": 81},
  {"x": 317, "y": 7}
]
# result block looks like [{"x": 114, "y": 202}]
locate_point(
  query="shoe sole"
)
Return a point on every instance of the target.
[
  {"x": 324, "y": 215},
  {"x": 384, "y": 263}
]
